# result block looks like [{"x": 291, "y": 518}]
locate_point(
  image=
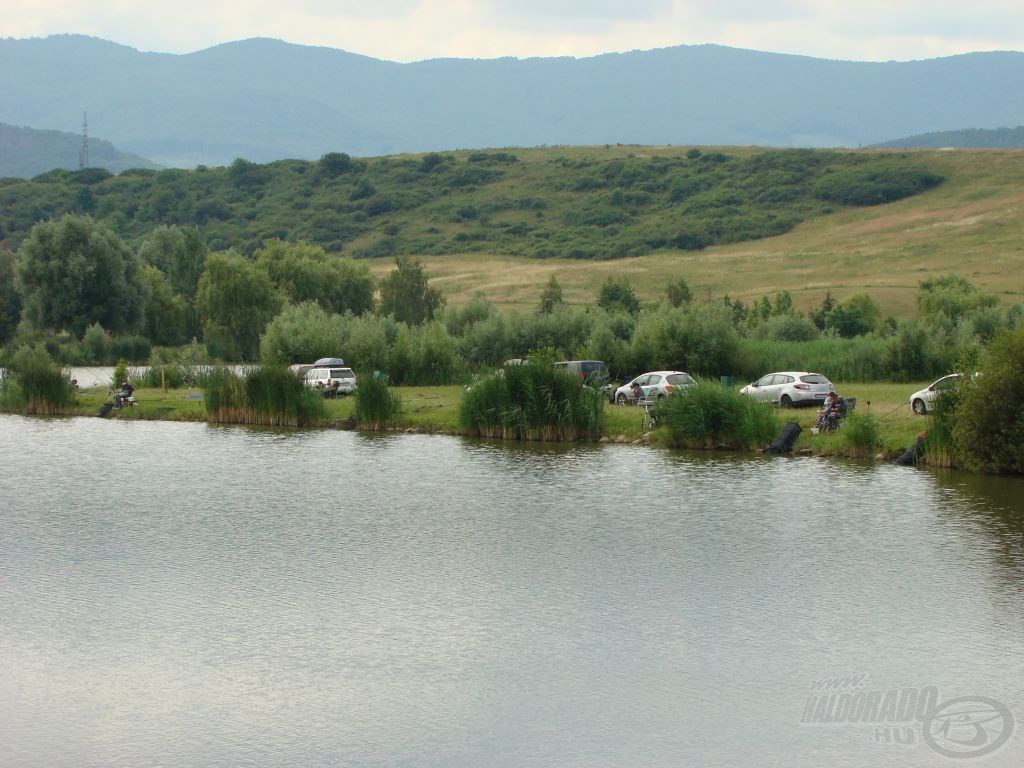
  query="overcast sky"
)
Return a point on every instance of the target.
[{"x": 409, "y": 30}]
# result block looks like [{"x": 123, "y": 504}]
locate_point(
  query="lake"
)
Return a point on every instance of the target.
[{"x": 189, "y": 595}]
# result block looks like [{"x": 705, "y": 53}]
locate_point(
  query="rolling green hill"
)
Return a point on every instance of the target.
[
  {"x": 579, "y": 203},
  {"x": 480, "y": 220}
]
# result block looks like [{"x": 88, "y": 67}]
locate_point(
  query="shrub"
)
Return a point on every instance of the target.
[
  {"x": 874, "y": 184},
  {"x": 988, "y": 415},
  {"x": 535, "y": 401},
  {"x": 34, "y": 383},
  {"x": 861, "y": 434},
  {"x": 377, "y": 407},
  {"x": 708, "y": 415}
]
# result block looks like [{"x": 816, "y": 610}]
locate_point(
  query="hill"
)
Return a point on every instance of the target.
[
  {"x": 968, "y": 138},
  {"x": 27, "y": 152},
  {"x": 266, "y": 100},
  {"x": 580, "y": 203}
]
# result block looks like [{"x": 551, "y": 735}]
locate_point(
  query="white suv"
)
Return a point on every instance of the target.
[
  {"x": 339, "y": 381},
  {"x": 789, "y": 388}
]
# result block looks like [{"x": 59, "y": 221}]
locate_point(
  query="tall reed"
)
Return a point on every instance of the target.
[
  {"x": 709, "y": 415},
  {"x": 377, "y": 407},
  {"x": 35, "y": 384},
  {"x": 533, "y": 402},
  {"x": 265, "y": 396}
]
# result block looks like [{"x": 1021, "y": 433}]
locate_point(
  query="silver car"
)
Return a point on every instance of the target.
[
  {"x": 655, "y": 385},
  {"x": 789, "y": 388}
]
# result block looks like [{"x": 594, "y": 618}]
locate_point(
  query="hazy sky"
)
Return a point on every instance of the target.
[{"x": 408, "y": 30}]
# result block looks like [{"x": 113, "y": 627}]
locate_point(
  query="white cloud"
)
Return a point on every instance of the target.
[{"x": 405, "y": 30}]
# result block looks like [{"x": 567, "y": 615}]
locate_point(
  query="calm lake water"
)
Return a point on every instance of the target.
[{"x": 186, "y": 595}]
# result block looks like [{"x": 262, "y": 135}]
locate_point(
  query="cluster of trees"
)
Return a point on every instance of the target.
[
  {"x": 597, "y": 203},
  {"x": 76, "y": 277},
  {"x": 295, "y": 302}
]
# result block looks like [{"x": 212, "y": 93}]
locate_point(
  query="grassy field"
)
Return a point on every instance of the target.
[
  {"x": 435, "y": 409},
  {"x": 972, "y": 224}
]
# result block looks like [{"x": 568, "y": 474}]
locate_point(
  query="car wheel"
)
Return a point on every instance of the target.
[
  {"x": 786, "y": 401},
  {"x": 661, "y": 396},
  {"x": 919, "y": 407},
  {"x": 621, "y": 398}
]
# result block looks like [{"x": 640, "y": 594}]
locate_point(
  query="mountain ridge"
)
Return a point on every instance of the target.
[{"x": 266, "y": 99}]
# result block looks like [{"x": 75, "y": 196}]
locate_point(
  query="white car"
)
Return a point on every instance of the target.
[
  {"x": 333, "y": 380},
  {"x": 924, "y": 399},
  {"x": 789, "y": 388},
  {"x": 655, "y": 385}
]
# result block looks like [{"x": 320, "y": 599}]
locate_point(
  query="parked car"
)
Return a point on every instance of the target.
[
  {"x": 339, "y": 380},
  {"x": 589, "y": 371},
  {"x": 924, "y": 399},
  {"x": 655, "y": 385},
  {"x": 789, "y": 388}
]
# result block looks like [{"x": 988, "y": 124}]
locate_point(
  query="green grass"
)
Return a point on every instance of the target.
[{"x": 35, "y": 384}]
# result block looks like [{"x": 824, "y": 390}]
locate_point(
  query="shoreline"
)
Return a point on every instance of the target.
[{"x": 433, "y": 410}]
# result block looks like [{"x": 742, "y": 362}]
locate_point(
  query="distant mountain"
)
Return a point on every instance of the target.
[
  {"x": 27, "y": 152},
  {"x": 265, "y": 99},
  {"x": 968, "y": 138}
]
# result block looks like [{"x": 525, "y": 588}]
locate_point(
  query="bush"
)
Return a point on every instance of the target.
[
  {"x": 874, "y": 184},
  {"x": 377, "y": 407},
  {"x": 33, "y": 383},
  {"x": 301, "y": 333},
  {"x": 861, "y": 434},
  {"x": 708, "y": 415},
  {"x": 987, "y": 415},
  {"x": 535, "y": 401}
]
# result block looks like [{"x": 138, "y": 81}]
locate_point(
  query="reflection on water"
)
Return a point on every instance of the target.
[{"x": 178, "y": 594}]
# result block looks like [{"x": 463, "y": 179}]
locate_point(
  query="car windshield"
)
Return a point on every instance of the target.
[
  {"x": 679, "y": 379},
  {"x": 594, "y": 369},
  {"x": 344, "y": 373},
  {"x": 814, "y": 378}
]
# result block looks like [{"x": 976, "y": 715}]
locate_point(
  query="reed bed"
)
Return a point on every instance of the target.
[
  {"x": 709, "y": 415},
  {"x": 268, "y": 396},
  {"x": 376, "y": 407},
  {"x": 861, "y": 435},
  {"x": 533, "y": 402},
  {"x": 35, "y": 384}
]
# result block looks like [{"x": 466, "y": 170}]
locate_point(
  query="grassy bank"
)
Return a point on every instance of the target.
[{"x": 436, "y": 410}]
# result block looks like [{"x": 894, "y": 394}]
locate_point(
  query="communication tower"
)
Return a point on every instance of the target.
[{"x": 83, "y": 153}]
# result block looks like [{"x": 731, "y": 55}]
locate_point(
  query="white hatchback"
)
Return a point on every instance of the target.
[
  {"x": 789, "y": 388},
  {"x": 339, "y": 381},
  {"x": 655, "y": 385},
  {"x": 923, "y": 400}
]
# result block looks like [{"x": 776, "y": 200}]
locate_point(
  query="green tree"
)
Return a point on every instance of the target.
[
  {"x": 235, "y": 299},
  {"x": 858, "y": 315},
  {"x": 308, "y": 273},
  {"x": 617, "y": 293},
  {"x": 679, "y": 293},
  {"x": 405, "y": 294},
  {"x": 10, "y": 299},
  {"x": 988, "y": 411},
  {"x": 952, "y": 297},
  {"x": 165, "y": 311},
  {"x": 820, "y": 316},
  {"x": 334, "y": 164},
  {"x": 74, "y": 272},
  {"x": 302, "y": 333},
  {"x": 551, "y": 297}
]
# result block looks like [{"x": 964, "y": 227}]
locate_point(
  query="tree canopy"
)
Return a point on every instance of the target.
[{"x": 73, "y": 272}]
